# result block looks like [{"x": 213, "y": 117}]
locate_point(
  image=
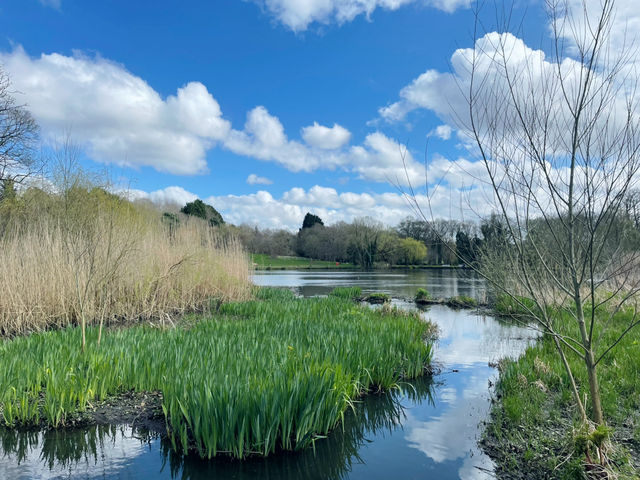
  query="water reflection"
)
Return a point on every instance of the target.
[
  {"x": 97, "y": 451},
  {"x": 113, "y": 452},
  {"x": 469, "y": 338},
  {"x": 397, "y": 283},
  {"x": 427, "y": 431}
]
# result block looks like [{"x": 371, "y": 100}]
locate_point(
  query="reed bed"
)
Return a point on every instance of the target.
[
  {"x": 106, "y": 260},
  {"x": 262, "y": 375}
]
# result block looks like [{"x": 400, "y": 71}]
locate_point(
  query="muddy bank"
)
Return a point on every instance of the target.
[{"x": 140, "y": 410}]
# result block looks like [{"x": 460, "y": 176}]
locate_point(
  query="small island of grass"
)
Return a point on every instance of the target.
[{"x": 258, "y": 376}]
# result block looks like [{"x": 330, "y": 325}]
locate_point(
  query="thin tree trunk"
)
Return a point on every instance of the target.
[
  {"x": 574, "y": 387},
  {"x": 589, "y": 360}
]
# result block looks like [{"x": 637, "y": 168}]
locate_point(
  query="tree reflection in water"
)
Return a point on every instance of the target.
[
  {"x": 331, "y": 458},
  {"x": 107, "y": 449}
]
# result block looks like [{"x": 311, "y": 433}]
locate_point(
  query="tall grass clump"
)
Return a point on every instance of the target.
[
  {"x": 346, "y": 292},
  {"x": 263, "y": 375},
  {"x": 82, "y": 255}
]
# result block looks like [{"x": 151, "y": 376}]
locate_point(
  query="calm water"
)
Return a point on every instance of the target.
[{"x": 427, "y": 431}]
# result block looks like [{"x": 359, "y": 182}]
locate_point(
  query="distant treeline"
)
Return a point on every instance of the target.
[{"x": 366, "y": 242}]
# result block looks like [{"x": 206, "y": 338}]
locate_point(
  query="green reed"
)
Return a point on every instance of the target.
[{"x": 262, "y": 375}]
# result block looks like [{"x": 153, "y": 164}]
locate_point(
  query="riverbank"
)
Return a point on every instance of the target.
[
  {"x": 258, "y": 376},
  {"x": 267, "y": 262},
  {"x": 534, "y": 428}
]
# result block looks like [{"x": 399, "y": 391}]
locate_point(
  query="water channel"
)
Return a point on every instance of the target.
[{"x": 427, "y": 431}]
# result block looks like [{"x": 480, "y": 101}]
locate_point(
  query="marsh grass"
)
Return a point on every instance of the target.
[
  {"x": 348, "y": 293},
  {"x": 91, "y": 257},
  {"x": 535, "y": 398},
  {"x": 268, "y": 374}
]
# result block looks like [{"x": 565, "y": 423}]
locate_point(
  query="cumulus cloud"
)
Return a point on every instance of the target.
[
  {"x": 298, "y": 15},
  {"x": 254, "y": 179},
  {"x": 625, "y": 25},
  {"x": 264, "y": 138},
  {"x": 167, "y": 196},
  {"x": 326, "y": 138},
  {"x": 382, "y": 159},
  {"x": 117, "y": 115},
  {"x": 443, "y": 132},
  {"x": 120, "y": 119},
  {"x": 288, "y": 211}
]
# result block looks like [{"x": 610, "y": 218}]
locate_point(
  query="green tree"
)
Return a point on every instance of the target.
[
  {"x": 412, "y": 251},
  {"x": 199, "y": 209},
  {"x": 310, "y": 220}
]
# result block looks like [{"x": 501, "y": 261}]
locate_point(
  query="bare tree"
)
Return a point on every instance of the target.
[
  {"x": 18, "y": 137},
  {"x": 560, "y": 140}
]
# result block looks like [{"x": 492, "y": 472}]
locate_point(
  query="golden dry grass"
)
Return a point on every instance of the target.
[{"x": 109, "y": 260}]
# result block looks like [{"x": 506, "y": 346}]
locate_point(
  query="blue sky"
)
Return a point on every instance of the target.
[{"x": 201, "y": 98}]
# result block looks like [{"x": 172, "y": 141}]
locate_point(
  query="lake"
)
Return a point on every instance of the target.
[{"x": 428, "y": 430}]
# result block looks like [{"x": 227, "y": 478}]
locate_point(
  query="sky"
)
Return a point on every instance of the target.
[{"x": 266, "y": 109}]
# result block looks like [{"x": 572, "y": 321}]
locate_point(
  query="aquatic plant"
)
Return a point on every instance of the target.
[
  {"x": 91, "y": 257},
  {"x": 346, "y": 292},
  {"x": 422, "y": 295},
  {"x": 272, "y": 373},
  {"x": 462, "y": 301}
]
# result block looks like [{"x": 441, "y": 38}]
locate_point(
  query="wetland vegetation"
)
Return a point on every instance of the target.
[{"x": 257, "y": 376}]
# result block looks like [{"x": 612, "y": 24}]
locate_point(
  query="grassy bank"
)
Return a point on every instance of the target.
[
  {"x": 258, "y": 376},
  {"x": 534, "y": 431},
  {"x": 267, "y": 262}
]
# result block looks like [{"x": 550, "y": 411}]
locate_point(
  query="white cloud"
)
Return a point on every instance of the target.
[
  {"x": 432, "y": 91},
  {"x": 522, "y": 98},
  {"x": 382, "y": 159},
  {"x": 326, "y": 138},
  {"x": 167, "y": 196},
  {"x": 264, "y": 138},
  {"x": 299, "y": 14},
  {"x": 254, "y": 179},
  {"x": 263, "y": 209},
  {"x": 625, "y": 25},
  {"x": 120, "y": 119},
  {"x": 443, "y": 132},
  {"x": 117, "y": 115}
]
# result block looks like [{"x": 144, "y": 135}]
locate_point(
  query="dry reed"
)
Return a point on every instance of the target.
[{"x": 112, "y": 262}]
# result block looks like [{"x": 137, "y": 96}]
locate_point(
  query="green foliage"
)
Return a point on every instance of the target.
[
  {"x": 262, "y": 375},
  {"x": 7, "y": 190},
  {"x": 348, "y": 293},
  {"x": 535, "y": 395},
  {"x": 310, "y": 220},
  {"x": 199, "y": 209},
  {"x": 422, "y": 295},
  {"x": 412, "y": 251}
]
